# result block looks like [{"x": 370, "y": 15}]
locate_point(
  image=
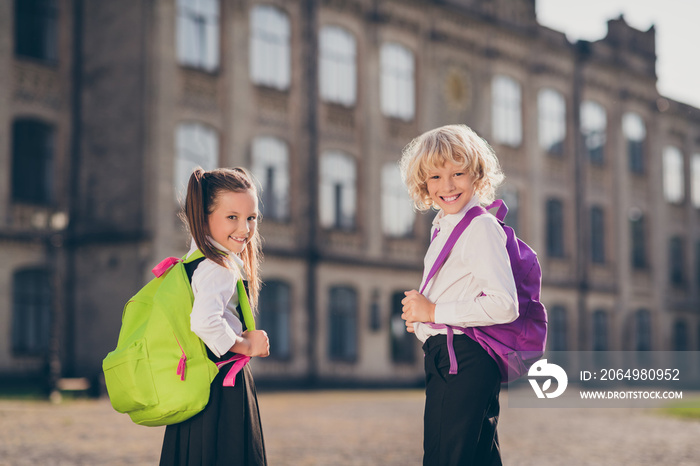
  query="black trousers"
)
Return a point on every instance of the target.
[{"x": 461, "y": 410}]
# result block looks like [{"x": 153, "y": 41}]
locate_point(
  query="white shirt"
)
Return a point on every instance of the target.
[
  {"x": 213, "y": 317},
  {"x": 475, "y": 285}
]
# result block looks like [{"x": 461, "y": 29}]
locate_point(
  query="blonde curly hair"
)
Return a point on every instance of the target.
[{"x": 457, "y": 144}]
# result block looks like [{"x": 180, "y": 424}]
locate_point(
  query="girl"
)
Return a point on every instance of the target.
[
  {"x": 221, "y": 213},
  {"x": 452, "y": 170}
]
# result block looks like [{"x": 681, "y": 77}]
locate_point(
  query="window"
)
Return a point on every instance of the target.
[
  {"x": 398, "y": 94},
  {"x": 342, "y": 320},
  {"x": 639, "y": 241},
  {"x": 680, "y": 336},
  {"x": 593, "y": 128},
  {"x": 274, "y": 308},
  {"x": 697, "y": 265},
  {"x": 403, "y": 344},
  {"x": 397, "y": 209},
  {"x": 270, "y": 55},
  {"x": 33, "y": 146},
  {"x": 31, "y": 312},
  {"x": 552, "y": 121},
  {"x": 555, "y": 228},
  {"x": 642, "y": 327},
  {"x": 197, "y": 146},
  {"x": 337, "y": 68},
  {"x": 600, "y": 331},
  {"x": 597, "y": 235},
  {"x": 558, "y": 328},
  {"x": 36, "y": 29},
  {"x": 337, "y": 194},
  {"x": 635, "y": 132},
  {"x": 695, "y": 180},
  {"x": 198, "y": 33},
  {"x": 676, "y": 258},
  {"x": 506, "y": 111},
  {"x": 673, "y": 175},
  {"x": 512, "y": 199},
  {"x": 270, "y": 165}
]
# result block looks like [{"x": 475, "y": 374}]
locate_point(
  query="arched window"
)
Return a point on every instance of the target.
[
  {"x": 33, "y": 147},
  {"x": 673, "y": 180},
  {"x": 338, "y": 192},
  {"x": 555, "y": 228},
  {"x": 338, "y": 65},
  {"x": 270, "y": 51},
  {"x": 597, "y": 235},
  {"x": 397, "y": 209},
  {"x": 638, "y": 239},
  {"x": 31, "y": 312},
  {"x": 506, "y": 111},
  {"x": 342, "y": 321},
  {"x": 695, "y": 180},
  {"x": 552, "y": 121},
  {"x": 270, "y": 166},
  {"x": 600, "y": 330},
  {"x": 198, "y": 33},
  {"x": 593, "y": 128},
  {"x": 642, "y": 326},
  {"x": 275, "y": 304},
  {"x": 676, "y": 261},
  {"x": 398, "y": 93},
  {"x": 680, "y": 336},
  {"x": 403, "y": 344},
  {"x": 36, "y": 29},
  {"x": 635, "y": 133},
  {"x": 558, "y": 339},
  {"x": 197, "y": 145}
]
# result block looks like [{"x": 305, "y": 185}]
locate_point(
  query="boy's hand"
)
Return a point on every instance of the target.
[{"x": 416, "y": 308}]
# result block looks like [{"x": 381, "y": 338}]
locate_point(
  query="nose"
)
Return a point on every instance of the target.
[{"x": 448, "y": 183}]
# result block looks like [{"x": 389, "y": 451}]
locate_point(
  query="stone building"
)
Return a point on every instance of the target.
[{"x": 105, "y": 107}]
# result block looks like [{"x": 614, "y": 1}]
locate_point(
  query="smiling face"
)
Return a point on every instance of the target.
[
  {"x": 234, "y": 219},
  {"x": 451, "y": 187}
]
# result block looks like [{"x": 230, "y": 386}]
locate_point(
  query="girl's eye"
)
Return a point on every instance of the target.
[
  {"x": 459, "y": 173},
  {"x": 232, "y": 217},
  {"x": 252, "y": 218}
]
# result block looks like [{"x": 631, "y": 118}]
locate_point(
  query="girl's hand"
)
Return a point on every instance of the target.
[
  {"x": 416, "y": 308},
  {"x": 254, "y": 343}
]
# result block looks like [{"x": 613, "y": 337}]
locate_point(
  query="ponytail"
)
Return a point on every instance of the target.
[{"x": 202, "y": 191}]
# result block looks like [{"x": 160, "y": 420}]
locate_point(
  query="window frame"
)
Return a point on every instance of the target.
[
  {"x": 335, "y": 60},
  {"x": 397, "y": 70},
  {"x": 270, "y": 62},
  {"x": 506, "y": 111}
]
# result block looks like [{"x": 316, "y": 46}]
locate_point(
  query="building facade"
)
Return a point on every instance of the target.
[{"x": 105, "y": 110}]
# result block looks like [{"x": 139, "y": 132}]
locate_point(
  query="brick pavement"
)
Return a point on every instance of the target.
[{"x": 350, "y": 428}]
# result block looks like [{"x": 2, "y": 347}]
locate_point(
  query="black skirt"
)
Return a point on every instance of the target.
[{"x": 226, "y": 432}]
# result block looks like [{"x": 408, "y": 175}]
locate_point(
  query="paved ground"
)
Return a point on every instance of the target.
[{"x": 351, "y": 428}]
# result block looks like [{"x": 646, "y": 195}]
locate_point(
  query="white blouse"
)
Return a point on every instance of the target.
[
  {"x": 213, "y": 317},
  {"x": 475, "y": 285}
]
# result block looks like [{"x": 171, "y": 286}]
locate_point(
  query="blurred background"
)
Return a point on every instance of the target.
[{"x": 105, "y": 108}]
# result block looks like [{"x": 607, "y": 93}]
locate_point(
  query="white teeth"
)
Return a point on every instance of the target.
[{"x": 451, "y": 198}]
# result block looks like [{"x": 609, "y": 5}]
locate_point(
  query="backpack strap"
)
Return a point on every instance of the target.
[
  {"x": 245, "y": 306},
  {"x": 446, "y": 249},
  {"x": 449, "y": 244}
]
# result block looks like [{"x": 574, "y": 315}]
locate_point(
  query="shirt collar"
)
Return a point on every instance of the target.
[{"x": 443, "y": 220}]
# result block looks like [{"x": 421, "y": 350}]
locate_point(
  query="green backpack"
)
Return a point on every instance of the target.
[{"x": 160, "y": 373}]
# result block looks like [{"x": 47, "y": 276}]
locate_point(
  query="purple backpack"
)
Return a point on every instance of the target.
[{"x": 519, "y": 344}]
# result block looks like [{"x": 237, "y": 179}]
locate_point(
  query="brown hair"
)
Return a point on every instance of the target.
[
  {"x": 203, "y": 190},
  {"x": 457, "y": 144}
]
